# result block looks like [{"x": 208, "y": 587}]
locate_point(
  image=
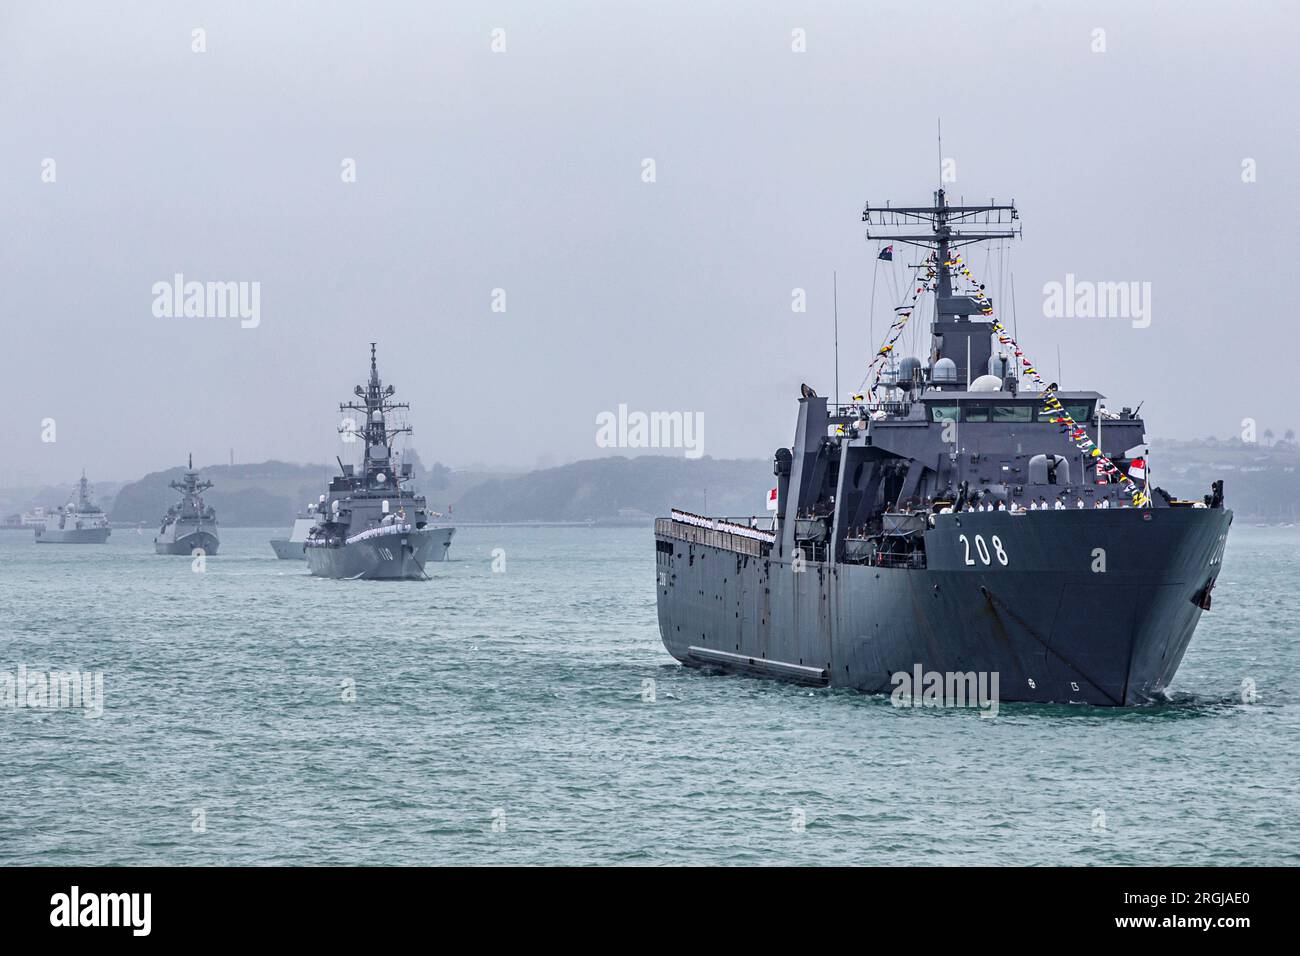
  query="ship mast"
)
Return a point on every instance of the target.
[
  {"x": 190, "y": 487},
  {"x": 376, "y": 469},
  {"x": 954, "y": 335}
]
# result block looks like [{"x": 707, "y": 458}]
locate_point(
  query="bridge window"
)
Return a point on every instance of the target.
[
  {"x": 1080, "y": 413},
  {"x": 943, "y": 413},
  {"x": 1013, "y": 413},
  {"x": 975, "y": 413}
]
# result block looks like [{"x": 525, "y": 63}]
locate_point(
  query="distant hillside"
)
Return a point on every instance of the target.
[
  {"x": 254, "y": 495},
  {"x": 622, "y": 488},
  {"x": 1260, "y": 481}
]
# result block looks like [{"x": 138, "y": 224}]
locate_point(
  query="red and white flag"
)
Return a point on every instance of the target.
[
  {"x": 771, "y": 500},
  {"x": 1137, "y": 468}
]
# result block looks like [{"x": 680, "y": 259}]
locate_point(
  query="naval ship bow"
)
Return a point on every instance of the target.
[
  {"x": 190, "y": 526},
  {"x": 961, "y": 516},
  {"x": 369, "y": 524}
]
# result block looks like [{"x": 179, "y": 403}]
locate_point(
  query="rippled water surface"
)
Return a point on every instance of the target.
[{"x": 515, "y": 699}]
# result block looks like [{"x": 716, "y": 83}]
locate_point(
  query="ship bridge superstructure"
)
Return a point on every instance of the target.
[
  {"x": 191, "y": 487},
  {"x": 373, "y": 426},
  {"x": 972, "y": 426}
]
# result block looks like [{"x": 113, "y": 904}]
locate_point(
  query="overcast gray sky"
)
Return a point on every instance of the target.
[{"x": 522, "y": 171}]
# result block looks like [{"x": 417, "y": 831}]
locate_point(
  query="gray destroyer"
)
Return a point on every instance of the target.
[
  {"x": 369, "y": 525},
  {"x": 962, "y": 517},
  {"x": 189, "y": 525},
  {"x": 79, "y": 522}
]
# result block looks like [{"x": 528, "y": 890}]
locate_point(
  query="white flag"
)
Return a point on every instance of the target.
[{"x": 771, "y": 500}]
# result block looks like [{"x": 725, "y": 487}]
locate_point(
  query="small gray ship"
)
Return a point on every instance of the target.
[
  {"x": 370, "y": 525},
  {"x": 294, "y": 547},
  {"x": 79, "y": 522},
  {"x": 962, "y": 517},
  {"x": 189, "y": 526}
]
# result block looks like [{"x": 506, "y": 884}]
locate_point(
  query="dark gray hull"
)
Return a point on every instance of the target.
[
  {"x": 72, "y": 535},
  {"x": 385, "y": 558},
  {"x": 287, "y": 550},
  {"x": 186, "y": 544},
  {"x": 1053, "y": 628}
]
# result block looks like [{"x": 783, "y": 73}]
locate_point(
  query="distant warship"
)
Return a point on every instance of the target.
[
  {"x": 189, "y": 525},
  {"x": 294, "y": 547},
  {"x": 368, "y": 525},
  {"x": 967, "y": 520},
  {"x": 82, "y": 522}
]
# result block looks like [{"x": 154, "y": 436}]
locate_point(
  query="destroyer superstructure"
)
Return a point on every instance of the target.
[
  {"x": 79, "y": 522},
  {"x": 189, "y": 526},
  {"x": 962, "y": 516},
  {"x": 369, "y": 524}
]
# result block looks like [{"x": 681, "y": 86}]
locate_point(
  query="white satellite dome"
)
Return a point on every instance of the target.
[
  {"x": 944, "y": 372},
  {"x": 986, "y": 383}
]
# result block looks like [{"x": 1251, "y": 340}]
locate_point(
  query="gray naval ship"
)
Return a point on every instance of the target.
[
  {"x": 79, "y": 522},
  {"x": 369, "y": 525},
  {"x": 962, "y": 517},
  {"x": 189, "y": 525},
  {"x": 294, "y": 547}
]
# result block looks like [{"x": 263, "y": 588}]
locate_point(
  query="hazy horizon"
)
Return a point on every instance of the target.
[{"x": 522, "y": 171}]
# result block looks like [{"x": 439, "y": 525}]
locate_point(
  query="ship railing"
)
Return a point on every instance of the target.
[
  {"x": 814, "y": 550},
  {"x": 379, "y": 532},
  {"x": 914, "y": 560},
  {"x": 715, "y": 533},
  {"x": 862, "y": 409}
]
